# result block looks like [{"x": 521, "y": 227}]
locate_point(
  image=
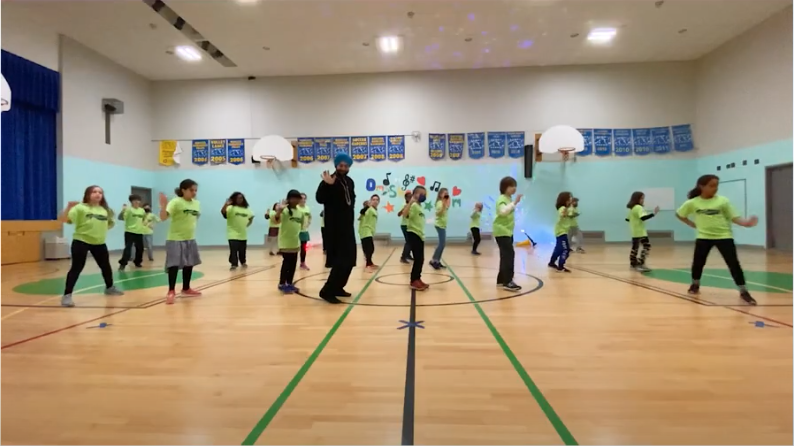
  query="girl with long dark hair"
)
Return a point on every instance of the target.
[
  {"x": 563, "y": 248},
  {"x": 639, "y": 235},
  {"x": 181, "y": 249},
  {"x": 238, "y": 218}
]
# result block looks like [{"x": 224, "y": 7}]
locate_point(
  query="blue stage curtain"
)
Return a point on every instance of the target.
[{"x": 28, "y": 168}]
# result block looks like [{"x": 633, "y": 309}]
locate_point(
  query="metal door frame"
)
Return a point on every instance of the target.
[
  {"x": 768, "y": 199},
  {"x": 151, "y": 192}
]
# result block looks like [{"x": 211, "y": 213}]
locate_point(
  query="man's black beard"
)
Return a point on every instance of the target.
[{"x": 341, "y": 174}]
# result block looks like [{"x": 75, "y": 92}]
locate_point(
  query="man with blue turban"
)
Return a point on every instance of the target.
[{"x": 337, "y": 194}]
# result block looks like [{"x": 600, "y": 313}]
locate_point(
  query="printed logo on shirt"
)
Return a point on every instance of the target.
[
  {"x": 191, "y": 212},
  {"x": 99, "y": 217},
  {"x": 240, "y": 214},
  {"x": 708, "y": 211}
]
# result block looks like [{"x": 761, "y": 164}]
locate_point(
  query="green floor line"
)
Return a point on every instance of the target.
[
  {"x": 264, "y": 422},
  {"x": 728, "y": 277},
  {"x": 543, "y": 403}
]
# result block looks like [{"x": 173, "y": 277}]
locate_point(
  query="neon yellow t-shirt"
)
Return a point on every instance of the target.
[
  {"x": 307, "y": 215},
  {"x": 475, "y": 219},
  {"x": 133, "y": 220},
  {"x": 272, "y": 219},
  {"x": 149, "y": 219},
  {"x": 636, "y": 224},
  {"x": 416, "y": 220},
  {"x": 573, "y": 214},
  {"x": 183, "y": 214},
  {"x": 713, "y": 216},
  {"x": 91, "y": 223},
  {"x": 366, "y": 226},
  {"x": 563, "y": 223},
  {"x": 504, "y": 225},
  {"x": 237, "y": 219},
  {"x": 291, "y": 226},
  {"x": 441, "y": 215}
]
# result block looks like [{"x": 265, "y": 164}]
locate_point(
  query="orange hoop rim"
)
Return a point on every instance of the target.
[
  {"x": 566, "y": 152},
  {"x": 269, "y": 160}
]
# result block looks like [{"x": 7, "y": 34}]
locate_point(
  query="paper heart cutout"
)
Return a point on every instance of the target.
[
  {"x": 456, "y": 191},
  {"x": 421, "y": 180}
]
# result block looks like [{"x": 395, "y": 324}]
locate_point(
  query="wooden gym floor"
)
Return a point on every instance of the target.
[{"x": 600, "y": 356}]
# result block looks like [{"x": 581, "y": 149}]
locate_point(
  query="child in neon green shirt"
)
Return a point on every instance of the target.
[
  {"x": 238, "y": 218},
  {"x": 504, "y": 225},
  {"x": 148, "y": 231},
  {"x": 405, "y": 257},
  {"x": 574, "y": 233},
  {"x": 639, "y": 235},
  {"x": 133, "y": 232},
  {"x": 441, "y": 210},
  {"x": 181, "y": 249},
  {"x": 562, "y": 248},
  {"x": 713, "y": 217},
  {"x": 290, "y": 220},
  {"x": 415, "y": 235},
  {"x": 91, "y": 219},
  {"x": 304, "y": 235},
  {"x": 474, "y": 227},
  {"x": 367, "y": 222}
]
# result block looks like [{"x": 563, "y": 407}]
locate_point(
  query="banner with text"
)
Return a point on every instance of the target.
[
  {"x": 476, "y": 145},
  {"x": 396, "y": 149},
  {"x": 587, "y": 136},
  {"x": 496, "y": 144},
  {"x": 661, "y": 139},
  {"x": 515, "y": 144},
  {"x": 623, "y": 142},
  {"x": 340, "y": 145},
  {"x": 438, "y": 145},
  {"x": 306, "y": 150},
  {"x": 359, "y": 148},
  {"x": 377, "y": 148},
  {"x": 236, "y": 151},
  {"x": 602, "y": 142},
  {"x": 201, "y": 152},
  {"x": 457, "y": 143},
  {"x": 217, "y": 151},
  {"x": 682, "y": 138},
  {"x": 322, "y": 149},
  {"x": 643, "y": 143}
]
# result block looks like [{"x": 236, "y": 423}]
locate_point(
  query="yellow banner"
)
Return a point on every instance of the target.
[{"x": 167, "y": 149}]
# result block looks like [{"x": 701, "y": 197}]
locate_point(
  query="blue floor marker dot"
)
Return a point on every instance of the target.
[{"x": 101, "y": 325}]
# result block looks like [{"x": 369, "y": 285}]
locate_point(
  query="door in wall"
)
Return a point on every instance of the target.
[
  {"x": 778, "y": 207},
  {"x": 144, "y": 192}
]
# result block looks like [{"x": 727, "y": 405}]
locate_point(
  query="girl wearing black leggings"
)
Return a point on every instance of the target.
[
  {"x": 181, "y": 250},
  {"x": 713, "y": 217},
  {"x": 415, "y": 235},
  {"x": 91, "y": 219}
]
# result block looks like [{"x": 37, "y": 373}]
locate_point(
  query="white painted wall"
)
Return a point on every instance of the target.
[
  {"x": 87, "y": 77},
  {"x": 744, "y": 89},
  {"x": 528, "y": 99},
  {"x": 31, "y": 41}
]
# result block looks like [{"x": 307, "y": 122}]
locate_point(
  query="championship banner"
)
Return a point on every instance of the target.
[
  {"x": 457, "y": 143},
  {"x": 587, "y": 135},
  {"x": 201, "y": 152},
  {"x": 602, "y": 142},
  {"x": 661, "y": 139},
  {"x": 236, "y": 151},
  {"x": 396, "y": 149},
  {"x": 496, "y": 144},
  {"x": 217, "y": 151},
  {"x": 643, "y": 143},
  {"x": 515, "y": 144},
  {"x": 377, "y": 148},
  {"x": 340, "y": 145},
  {"x": 437, "y": 143},
  {"x": 682, "y": 138},
  {"x": 306, "y": 150},
  {"x": 167, "y": 149},
  {"x": 322, "y": 149},
  {"x": 359, "y": 148},
  {"x": 476, "y": 145},
  {"x": 623, "y": 142}
]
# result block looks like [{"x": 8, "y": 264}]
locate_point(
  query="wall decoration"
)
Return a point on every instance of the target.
[
  {"x": 396, "y": 149},
  {"x": 587, "y": 135},
  {"x": 476, "y": 143},
  {"x": 322, "y": 149},
  {"x": 496, "y": 144},
  {"x": 661, "y": 139},
  {"x": 377, "y": 148},
  {"x": 166, "y": 153},
  {"x": 515, "y": 144},
  {"x": 217, "y": 151},
  {"x": 359, "y": 148},
  {"x": 340, "y": 145},
  {"x": 623, "y": 142},
  {"x": 682, "y": 138},
  {"x": 643, "y": 143},
  {"x": 236, "y": 151},
  {"x": 389, "y": 208},
  {"x": 306, "y": 148},
  {"x": 437, "y": 144},
  {"x": 602, "y": 142},
  {"x": 201, "y": 153},
  {"x": 457, "y": 142}
]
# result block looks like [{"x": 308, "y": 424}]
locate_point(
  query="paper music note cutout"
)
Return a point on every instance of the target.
[
  {"x": 407, "y": 181},
  {"x": 436, "y": 186},
  {"x": 386, "y": 180}
]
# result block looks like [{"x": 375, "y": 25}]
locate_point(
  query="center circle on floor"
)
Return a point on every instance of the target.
[
  {"x": 444, "y": 278},
  {"x": 530, "y": 288}
]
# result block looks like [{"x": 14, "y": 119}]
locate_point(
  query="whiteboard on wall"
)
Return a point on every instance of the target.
[{"x": 664, "y": 197}]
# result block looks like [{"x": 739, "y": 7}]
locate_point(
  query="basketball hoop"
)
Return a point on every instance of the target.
[
  {"x": 269, "y": 160},
  {"x": 566, "y": 152}
]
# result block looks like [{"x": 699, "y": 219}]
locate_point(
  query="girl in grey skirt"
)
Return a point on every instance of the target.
[{"x": 181, "y": 250}]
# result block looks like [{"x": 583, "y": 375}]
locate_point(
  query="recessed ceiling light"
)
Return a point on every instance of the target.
[
  {"x": 188, "y": 53},
  {"x": 247, "y": 2},
  {"x": 389, "y": 44},
  {"x": 602, "y": 35}
]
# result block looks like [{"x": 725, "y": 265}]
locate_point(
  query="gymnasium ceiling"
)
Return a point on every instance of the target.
[{"x": 308, "y": 37}]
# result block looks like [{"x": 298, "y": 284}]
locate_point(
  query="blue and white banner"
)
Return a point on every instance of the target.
[
  {"x": 396, "y": 148},
  {"x": 682, "y": 138},
  {"x": 236, "y": 151},
  {"x": 359, "y": 147},
  {"x": 322, "y": 149},
  {"x": 201, "y": 152},
  {"x": 602, "y": 142},
  {"x": 496, "y": 144},
  {"x": 217, "y": 151},
  {"x": 306, "y": 150},
  {"x": 476, "y": 145},
  {"x": 623, "y": 142},
  {"x": 643, "y": 143},
  {"x": 437, "y": 143},
  {"x": 515, "y": 144},
  {"x": 340, "y": 145},
  {"x": 377, "y": 148},
  {"x": 457, "y": 142},
  {"x": 587, "y": 135},
  {"x": 661, "y": 139}
]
